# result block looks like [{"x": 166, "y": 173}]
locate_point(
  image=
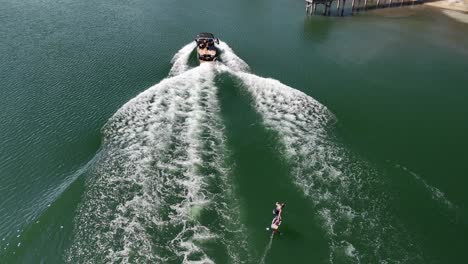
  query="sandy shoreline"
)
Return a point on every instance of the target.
[
  {"x": 455, "y": 9},
  {"x": 456, "y": 5}
]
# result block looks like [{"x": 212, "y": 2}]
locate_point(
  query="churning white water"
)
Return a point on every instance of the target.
[{"x": 163, "y": 167}]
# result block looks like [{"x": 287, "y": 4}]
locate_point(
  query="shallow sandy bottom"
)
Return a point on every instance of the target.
[{"x": 461, "y": 17}]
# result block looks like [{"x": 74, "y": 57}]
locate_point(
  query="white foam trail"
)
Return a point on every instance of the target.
[
  {"x": 267, "y": 249},
  {"x": 436, "y": 194},
  {"x": 142, "y": 133},
  {"x": 230, "y": 59},
  {"x": 335, "y": 182},
  {"x": 162, "y": 152},
  {"x": 356, "y": 220},
  {"x": 180, "y": 60}
]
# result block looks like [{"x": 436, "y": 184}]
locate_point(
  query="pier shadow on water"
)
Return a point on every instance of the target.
[{"x": 317, "y": 28}]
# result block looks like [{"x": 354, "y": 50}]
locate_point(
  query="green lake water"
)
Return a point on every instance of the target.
[{"x": 116, "y": 147}]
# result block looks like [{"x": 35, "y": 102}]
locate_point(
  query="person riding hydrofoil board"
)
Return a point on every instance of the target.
[{"x": 277, "y": 211}]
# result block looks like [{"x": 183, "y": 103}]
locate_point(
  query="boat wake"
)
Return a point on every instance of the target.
[
  {"x": 340, "y": 184},
  {"x": 267, "y": 249},
  {"x": 436, "y": 194},
  {"x": 161, "y": 192}
]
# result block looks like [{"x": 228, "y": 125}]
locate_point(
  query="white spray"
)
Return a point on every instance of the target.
[
  {"x": 334, "y": 179},
  {"x": 146, "y": 194}
]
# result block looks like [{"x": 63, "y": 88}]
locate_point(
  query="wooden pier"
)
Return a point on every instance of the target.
[{"x": 356, "y": 5}]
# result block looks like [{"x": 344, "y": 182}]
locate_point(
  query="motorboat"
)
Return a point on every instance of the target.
[{"x": 206, "y": 49}]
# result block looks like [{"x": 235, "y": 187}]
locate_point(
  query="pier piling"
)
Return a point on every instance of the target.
[{"x": 342, "y": 9}]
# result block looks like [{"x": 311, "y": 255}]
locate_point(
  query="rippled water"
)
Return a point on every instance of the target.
[{"x": 360, "y": 130}]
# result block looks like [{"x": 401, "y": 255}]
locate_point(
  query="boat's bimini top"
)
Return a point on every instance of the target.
[{"x": 205, "y": 35}]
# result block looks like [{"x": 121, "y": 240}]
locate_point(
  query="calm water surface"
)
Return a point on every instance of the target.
[{"x": 364, "y": 135}]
